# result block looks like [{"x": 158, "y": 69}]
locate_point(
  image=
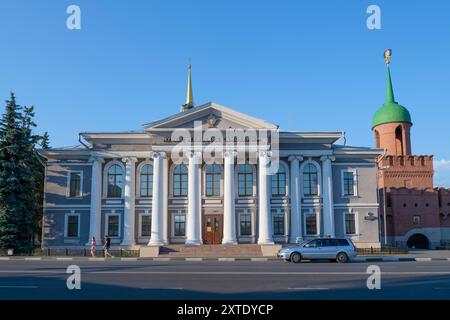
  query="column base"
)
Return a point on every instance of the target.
[
  {"x": 266, "y": 241},
  {"x": 230, "y": 242},
  {"x": 193, "y": 242},
  {"x": 155, "y": 243}
]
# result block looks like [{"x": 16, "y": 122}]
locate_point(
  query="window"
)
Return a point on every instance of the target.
[
  {"x": 343, "y": 243},
  {"x": 75, "y": 184},
  {"x": 279, "y": 182},
  {"x": 180, "y": 225},
  {"x": 115, "y": 180},
  {"x": 348, "y": 183},
  {"x": 416, "y": 219},
  {"x": 213, "y": 173},
  {"x": 180, "y": 181},
  {"x": 310, "y": 183},
  {"x": 146, "y": 180},
  {"x": 113, "y": 226},
  {"x": 350, "y": 223},
  {"x": 311, "y": 224},
  {"x": 278, "y": 224},
  {"x": 316, "y": 243},
  {"x": 72, "y": 230},
  {"x": 146, "y": 225},
  {"x": 245, "y": 180},
  {"x": 246, "y": 224}
]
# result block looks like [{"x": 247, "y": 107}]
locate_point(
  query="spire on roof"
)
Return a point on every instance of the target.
[
  {"x": 389, "y": 90},
  {"x": 189, "y": 95}
]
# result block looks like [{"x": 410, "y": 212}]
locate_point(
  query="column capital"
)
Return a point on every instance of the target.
[
  {"x": 295, "y": 157},
  {"x": 158, "y": 154},
  {"x": 129, "y": 159},
  {"x": 325, "y": 158},
  {"x": 230, "y": 154},
  {"x": 96, "y": 158}
]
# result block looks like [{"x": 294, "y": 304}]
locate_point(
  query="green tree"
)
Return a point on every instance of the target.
[{"x": 20, "y": 177}]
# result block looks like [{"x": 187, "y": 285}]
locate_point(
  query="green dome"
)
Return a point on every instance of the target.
[{"x": 391, "y": 111}]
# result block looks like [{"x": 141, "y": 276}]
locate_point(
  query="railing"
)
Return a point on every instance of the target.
[
  {"x": 71, "y": 252},
  {"x": 381, "y": 251}
]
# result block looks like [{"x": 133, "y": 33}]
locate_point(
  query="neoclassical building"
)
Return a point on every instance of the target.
[{"x": 131, "y": 187}]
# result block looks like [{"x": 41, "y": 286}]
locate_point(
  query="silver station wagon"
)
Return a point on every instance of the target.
[{"x": 337, "y": 249}]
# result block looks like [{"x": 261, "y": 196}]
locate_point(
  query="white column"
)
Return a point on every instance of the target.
[
  {"x": 96, "y": 200},
  {"x": 327, "y": 194},
  {"x": 265, "y": 216},
  {"x": 194, "y": 208},
  {"x": 166, "y": 200},
  {"x": 229, "y": 214},
  {"x": 129, "y": 202},
  {"x": 156, "y": 238},
  {"x": 296, "y": 201}
]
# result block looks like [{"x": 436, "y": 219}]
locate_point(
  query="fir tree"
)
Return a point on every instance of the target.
[{"x": 18, "y": 181}]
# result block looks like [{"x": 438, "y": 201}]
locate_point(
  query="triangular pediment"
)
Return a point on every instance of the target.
[{"x": 211, "y": 115}]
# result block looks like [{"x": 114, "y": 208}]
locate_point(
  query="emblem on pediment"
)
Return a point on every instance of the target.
[{"x": 212, "y": 120}]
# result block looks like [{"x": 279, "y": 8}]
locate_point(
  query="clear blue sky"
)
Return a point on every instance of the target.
[{"x": 304, "y": 65}]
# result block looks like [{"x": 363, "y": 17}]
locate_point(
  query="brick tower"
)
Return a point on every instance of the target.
[{"x": 408, "y": 203}]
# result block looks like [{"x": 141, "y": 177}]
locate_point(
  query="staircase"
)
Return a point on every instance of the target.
[{"x": 211, "y": 251}]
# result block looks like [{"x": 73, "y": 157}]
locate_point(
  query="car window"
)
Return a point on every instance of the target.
[
  {"x": 333, "y": 243},
  {"x": 343, "y": 243},
  {"x": 312, "y": 244},
  {"x": 321, "y": 242}
]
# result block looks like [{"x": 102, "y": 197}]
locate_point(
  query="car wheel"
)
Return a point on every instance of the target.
[
  {"x": 342, "y": 257},
  {"x": 296, "y": 257}
]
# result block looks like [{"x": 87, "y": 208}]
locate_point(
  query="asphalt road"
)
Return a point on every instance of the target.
[{"x": 222, "y": 280}]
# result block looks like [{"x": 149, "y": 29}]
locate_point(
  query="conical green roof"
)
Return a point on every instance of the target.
[{"x": 391, "y": 111}]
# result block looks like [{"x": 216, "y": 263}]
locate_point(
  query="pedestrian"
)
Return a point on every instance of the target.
[
  {"x": 93, "y": 246},
  {"x": 107, "y": 247}
]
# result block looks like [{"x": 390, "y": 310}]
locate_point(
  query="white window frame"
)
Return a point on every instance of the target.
[
  {"x": 288, "y": 181},
  {"x": 254, "y": 181},
  {"x": 141, "y": 214},
  {"x": 317, "y": 214},
  {"x": 355, "y": 182},
  {"x": 105, "y": 178},
  {"x": 171, "y": 180},
  {"x": 319, "y": 178},
  {"x": 107, "y": 215},
  {"x": 221, "y": 181},
  {"x": 251, "y": 223},
  {"x": 69, "y": 174},
  {"x": 66, "y": 225},
  {"x": 138, "y": 178},
  {"x": 351, "y": 211},
  {"x": 172, "y": 227}
]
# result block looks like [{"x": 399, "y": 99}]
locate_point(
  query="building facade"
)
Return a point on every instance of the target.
[
  {"x": 137, "y": 188},
  {"x": 414, "y": 213}
]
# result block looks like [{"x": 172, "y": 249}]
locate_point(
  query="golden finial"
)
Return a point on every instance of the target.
[{"x": 387, "y": 55}]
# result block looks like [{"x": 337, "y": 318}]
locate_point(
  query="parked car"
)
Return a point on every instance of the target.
[{"x": 338, "y": 249}]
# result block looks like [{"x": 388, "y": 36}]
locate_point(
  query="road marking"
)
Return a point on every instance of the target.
[
  {"x": 226, "y": 259},
  {"x": 96, "y": 259},
  {"x": 32, "y": 259},
  {"x": 301, "y": 289},
  {"x": 19, "y": 287},
  {"x": 259, "y": 259},
  {"x": 150, "y": 288},
  {"x": 4, "y": 258},
  {"x": 64, "y": 259},
  {"x": 423, "y": 259},
  {"x": 161, "y": 259},
  {"x": 129, "y": 259},
  {"x": 194, "y": 259}
]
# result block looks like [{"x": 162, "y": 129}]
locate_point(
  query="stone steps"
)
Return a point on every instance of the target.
[{"x": 211, "y": 251}]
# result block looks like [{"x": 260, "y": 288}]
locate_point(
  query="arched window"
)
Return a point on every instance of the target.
[
  {"x": 279, "y": 182},
  {"x": 146, "y": 180},
  {"x": 310, "y": 183},
  {"x": 213, "y": 173},
  {"x": 180, "y": 181},
  {"x": 245, "y": 180},
  {"x": 377, "y": 139},
  {"x": 399, "y": 141},
  {"x": 115, "y": 181}
]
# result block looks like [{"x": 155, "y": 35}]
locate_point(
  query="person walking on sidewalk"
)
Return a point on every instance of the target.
[
  {"x": 93, "y": 247},
  {"x": 107, "y": 247}
]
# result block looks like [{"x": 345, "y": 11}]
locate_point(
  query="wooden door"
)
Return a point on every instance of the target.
[{"x": 212, "y": 228}]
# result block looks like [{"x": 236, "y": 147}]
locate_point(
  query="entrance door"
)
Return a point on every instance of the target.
[{"x": 212, "y": 228}]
